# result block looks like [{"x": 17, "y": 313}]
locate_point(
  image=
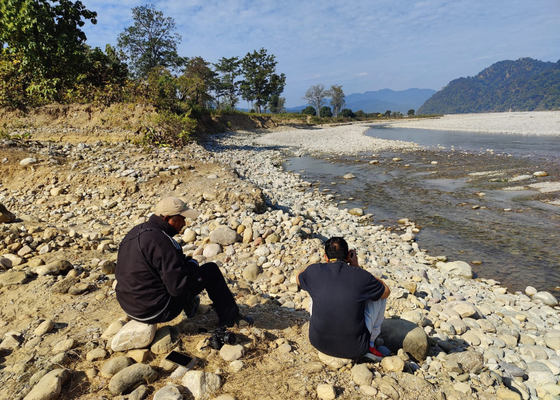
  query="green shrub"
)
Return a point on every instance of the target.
[{"x": 168, "y": 129}]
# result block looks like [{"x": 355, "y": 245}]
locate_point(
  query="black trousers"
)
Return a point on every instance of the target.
[{"x": 208, "y": 276}]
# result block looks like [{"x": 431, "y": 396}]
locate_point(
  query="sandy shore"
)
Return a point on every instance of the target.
[
  {"x": 350, "y": 139},
  {"x": 345, "y": 139},
  {"x": 525, "y": 123}
]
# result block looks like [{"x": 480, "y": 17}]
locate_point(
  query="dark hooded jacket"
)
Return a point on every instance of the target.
[{"x": 151, "y": 268}]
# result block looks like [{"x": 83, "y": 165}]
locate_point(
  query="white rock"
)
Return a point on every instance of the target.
[
  {"x": 456, "y": 268},
  {"x": 212, "y": 250},
  {"x": 546, "y": 297},
  {"x": 28, "y": 161},
  {"x": 134, "y": 335},
  {"x": 201, "y": 384},
  {"x": 231, "y": 352}
]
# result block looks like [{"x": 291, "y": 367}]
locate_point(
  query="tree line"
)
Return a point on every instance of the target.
[
  {"x": 316, "y": 96},
  {"x": 44, "y": 58}
]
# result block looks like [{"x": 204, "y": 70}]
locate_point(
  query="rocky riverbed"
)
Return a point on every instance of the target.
[{"x": 67, "y": 206}]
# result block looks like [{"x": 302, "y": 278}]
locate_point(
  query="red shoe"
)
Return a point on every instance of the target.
[{"x": 373, "y": 354}]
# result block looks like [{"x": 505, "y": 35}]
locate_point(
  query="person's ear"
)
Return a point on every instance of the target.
[{"x": 326, "y": 258}]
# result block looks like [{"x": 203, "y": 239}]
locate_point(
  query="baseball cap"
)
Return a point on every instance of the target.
[{"x": 175, "y": 206}]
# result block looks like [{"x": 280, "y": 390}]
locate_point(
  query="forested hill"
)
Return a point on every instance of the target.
[{"x": 522, "y": 85}]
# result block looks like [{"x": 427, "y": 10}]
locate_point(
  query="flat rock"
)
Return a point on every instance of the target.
[
  {"x": 13, "y": 278},
  {"x": 64, "y": 285}
]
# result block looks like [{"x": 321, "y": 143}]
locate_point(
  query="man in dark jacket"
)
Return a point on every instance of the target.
[{"x": 155, "y": 281}]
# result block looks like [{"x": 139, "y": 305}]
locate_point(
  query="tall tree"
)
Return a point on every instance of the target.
[
  {"x": 151, "y": 41},
  {"x": 197, "y": 82},
  {"x": 47, "y": 40},
  {"x": 261, "y": 80},
  {"x": 227, "y": 87},
  {"x": 337, "y": 99},
  {"x": 276, "y": 104},
  {"x": 315, "y": 96}
]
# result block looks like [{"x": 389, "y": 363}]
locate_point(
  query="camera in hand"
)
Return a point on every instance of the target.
[{"x": 220, "y": 337}]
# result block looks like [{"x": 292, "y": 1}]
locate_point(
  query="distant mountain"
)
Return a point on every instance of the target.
[
  {"x": 383, "y": 100},
  {"x": 522, "y": 85}
]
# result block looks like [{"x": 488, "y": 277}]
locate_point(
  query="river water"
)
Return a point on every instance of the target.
[{"x": 454, "y": 192}]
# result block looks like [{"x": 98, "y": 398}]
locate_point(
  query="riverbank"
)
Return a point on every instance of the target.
[
  {"x": 74, "y": 203},
  {"x": 522, "y": 123},
  {"x": 338, "y": 140}
]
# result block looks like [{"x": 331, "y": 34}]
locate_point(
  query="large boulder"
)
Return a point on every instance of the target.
[{"x": 402, "y": 334}]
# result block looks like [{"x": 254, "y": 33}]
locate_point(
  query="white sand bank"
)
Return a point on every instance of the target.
[
  {"x": 345, "y": 139},
  {"x": 525, "y": 123}
]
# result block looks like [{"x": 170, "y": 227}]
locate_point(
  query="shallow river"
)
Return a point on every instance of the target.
[{"x": 517, "y": 247}]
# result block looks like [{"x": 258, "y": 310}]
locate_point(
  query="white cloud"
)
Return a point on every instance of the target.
[{"x": 408, "y": 44}]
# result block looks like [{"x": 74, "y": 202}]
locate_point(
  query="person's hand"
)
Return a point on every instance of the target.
[{"x": 353, "y": 258}]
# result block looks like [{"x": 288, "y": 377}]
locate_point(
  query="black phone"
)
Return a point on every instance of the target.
[{"x": 181, "y": 359}]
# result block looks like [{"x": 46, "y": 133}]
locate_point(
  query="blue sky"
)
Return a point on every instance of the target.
[{"x": 363, "y": 45}]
